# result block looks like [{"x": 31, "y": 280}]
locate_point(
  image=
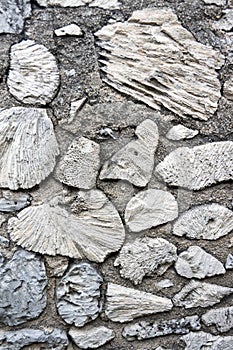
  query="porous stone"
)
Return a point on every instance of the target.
[
  {"x": 145, "y": 257},
  {"x": 124, "y": 304},
  {"x": 49, "y": 338},
  {"x": 228, "y": 88},
  {"x": 150, "y": 208},
  {"x": 195, "y": 262},
  {"x": 221, "y": 318},
  {"x": 198, "y": 167},
  {"x": 229, "y": 262},
  {"x": 13, "y": 201},
  {"x": 93, "y": 233},
  {"x": 135, "y": 161},
  {"x": 79, "y": 167},
  {"x": 149, "y": 329},
  {"x": 33, "y": 75},
  {"x": 71, "y": 29},
  {"x": 91, "y": 338},
  {"x": 28, "y": 147},
  {"x": 78, "y": 294},
  {"x": 208, "y": 221},
  {"x": 225, "y": 23},
  {"x": 12, "y": 15},
  {"x": 105, "y": 4},
  {"x": 202, "y": 294},
  {"x": 22, "y": 288},
  {"x": 152, "y": 58},
  {"x": 207, "y": 341},
  {"x": 180, "y": 132}
]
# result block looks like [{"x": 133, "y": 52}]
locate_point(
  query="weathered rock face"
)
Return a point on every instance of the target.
[
  {"x": 93, "y": 233},
  {"x": 195, "y": 262},
  {"x": 78, "y": 294},
  {"x": 221, "y": 318},
  {"x": 207, "y": 341},
  {"x": 22, "y": 288},
  {"x": 145, "y": 257},
  {"x": 225, "y": 22},
  {"x": 13, "y": 201},
  {"x": 180, "y": 132},
  {"x": 55, "y": 339},
  {"x": 12, "y": 15},
  {"x": 135, "y": 161},
  {"x": 145, "y": 330},
  {"x": 79, "y": 167},
  {"x": 201, "y": 294},
  {"x": 209, "y": 221},
  {"x": 124, "y": 304},
  {"x": 105, "y": 4},
  {"x": 150, "y": 208},
  {"x": 33, "y": 76},
  {"x": 91, "y": 338},
  {"x": 154, "y": 59},
  {"x": 198, "y": 167},
  {"x": 28, "y": 147}
]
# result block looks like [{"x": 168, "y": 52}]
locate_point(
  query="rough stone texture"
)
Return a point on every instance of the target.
[
  {"x": 56, "y": 266},
  {"x": 28, "y": 147},
  {"x": 229, "y": 262},
  {"x": 215, "y": 2},
  {"x": 70, "y": 29},
  {"x": 145, "y": 257},
  {"x": 105, "y": 4},
  {"x": 228, "y": 88},
  {"x": 33, "y": 76},
  {"x": 135, "y": 161},
  {"x": 22, "y": 288},
  {"x": 195, "y": 262},
  {"x": 79, "y": 167},
  {"x": 207, "y": 341},
  {"x": 13, "y": 201},
  {"x": 180, "y": 132},
  {"x": 209, "y": 221},
  {"x": 225, "y": 22},
  {"x": 93, "y": 233},
  {"x": 150, "y": 208},
  {"x": 124, "y": 304},
  {"x": 12, "y": 15},
  {"x": 78, "y": 294},
  {"x": 91, "y": 338},
  {"x": 137, "y": 61},
  {"x": 48, "y": 338},
  {"x": 221, "y": 318},
  {"x": 149, "y": 329},
  {"x": 201, "y": 294}
]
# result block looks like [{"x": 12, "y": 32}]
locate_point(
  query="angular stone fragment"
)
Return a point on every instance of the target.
[
  {"x": 150, "y": 208},
  {"x": 33, "y": 76},
  {"x": 198, "y": 167},
  {"x": 55, "y": 339},
  {"x": 215, "y": 2},
  {"x": 13, "y": 201},
  {"x": 91, "y": 338},
  {"x": 225, "y": 23},
  {"x": 206, "y": 341},
  {"x": 180, "y": 132},
  {"x": 12, "y": 15},
  {"x": 124, "y": 304},
  {"x": 221, "y": 318},
  {"x": 78, "y": 294},
  {"x": 79, "y": 167},
  {"x": 75, "y": 106},
  {"x": 208, "y": 221},
  {"x": 202, "y": 294},
  {"x": 22, "y": 288},
  {"x": 71, "y": 29},
  {"x": 195, "y": 262},
  {"x": 150, "y": 329},
  {"x": 135, "y": 161},
  {"x": 28, "y": 147},
  {"x": 228, "y": 88},
  {"x": 51, "y": 229},
  {"x": 229, "y": 262},
  {"x": 157, "y": 61},
  {"x": 145, "y": 257},
  {"x": 105, "y": 4}
]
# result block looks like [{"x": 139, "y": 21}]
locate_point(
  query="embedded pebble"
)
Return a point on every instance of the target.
[
  {"x": 78, "y": 294},
  {"x": 105, "y": 4},
  {"x": 221, "y": 318},
  {"x": 4, "y": 242},
  {"x": 13, "y": 201},
  {"x": 75, "y": 106},
  {"x": 124, "y": 304},
  {"x": 145, "y": 257},
  {"x": 22, "y": 288},
  {"x": 28, "y": 147},
  {"x": 202, "y": 294},
  {"x": 91, "y": 338},
  {"x": 52, "y": 338},
  {"x": 33, "y": 75},
  {"x": 195, "y": 262},
  {"x": 198, "y": 167},
  {"x": 180, "y": 132},
  {"x": 12, "y": 15},
  {"x": 229, "y": 262},
  {"x": 71, "y": 29},
  {"x": 225, "y": 23},
  {"x": 93, "y": 233},
  {"x": 208, "y": 221},
  {"x": 164, "y": 284},
  {"x": 151, "y": 58},
  {"x": 206, "y": 341},
  {"x": 150, "y": 208},
  {"x": 2, "y": 219},
  {"x": 228, "y": 88},
  {"x": 79, "y": 167},
  {"x": 135, "y": 161},
  {"x": 149, "y": 329}
]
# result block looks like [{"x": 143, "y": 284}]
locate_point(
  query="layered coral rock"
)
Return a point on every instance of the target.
[
  {"x": 12, "y": 15},
  {"x": 221, "y": 318},
  {"x": 91, "y": 338},
  {"x": 207, "y": 341}
]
